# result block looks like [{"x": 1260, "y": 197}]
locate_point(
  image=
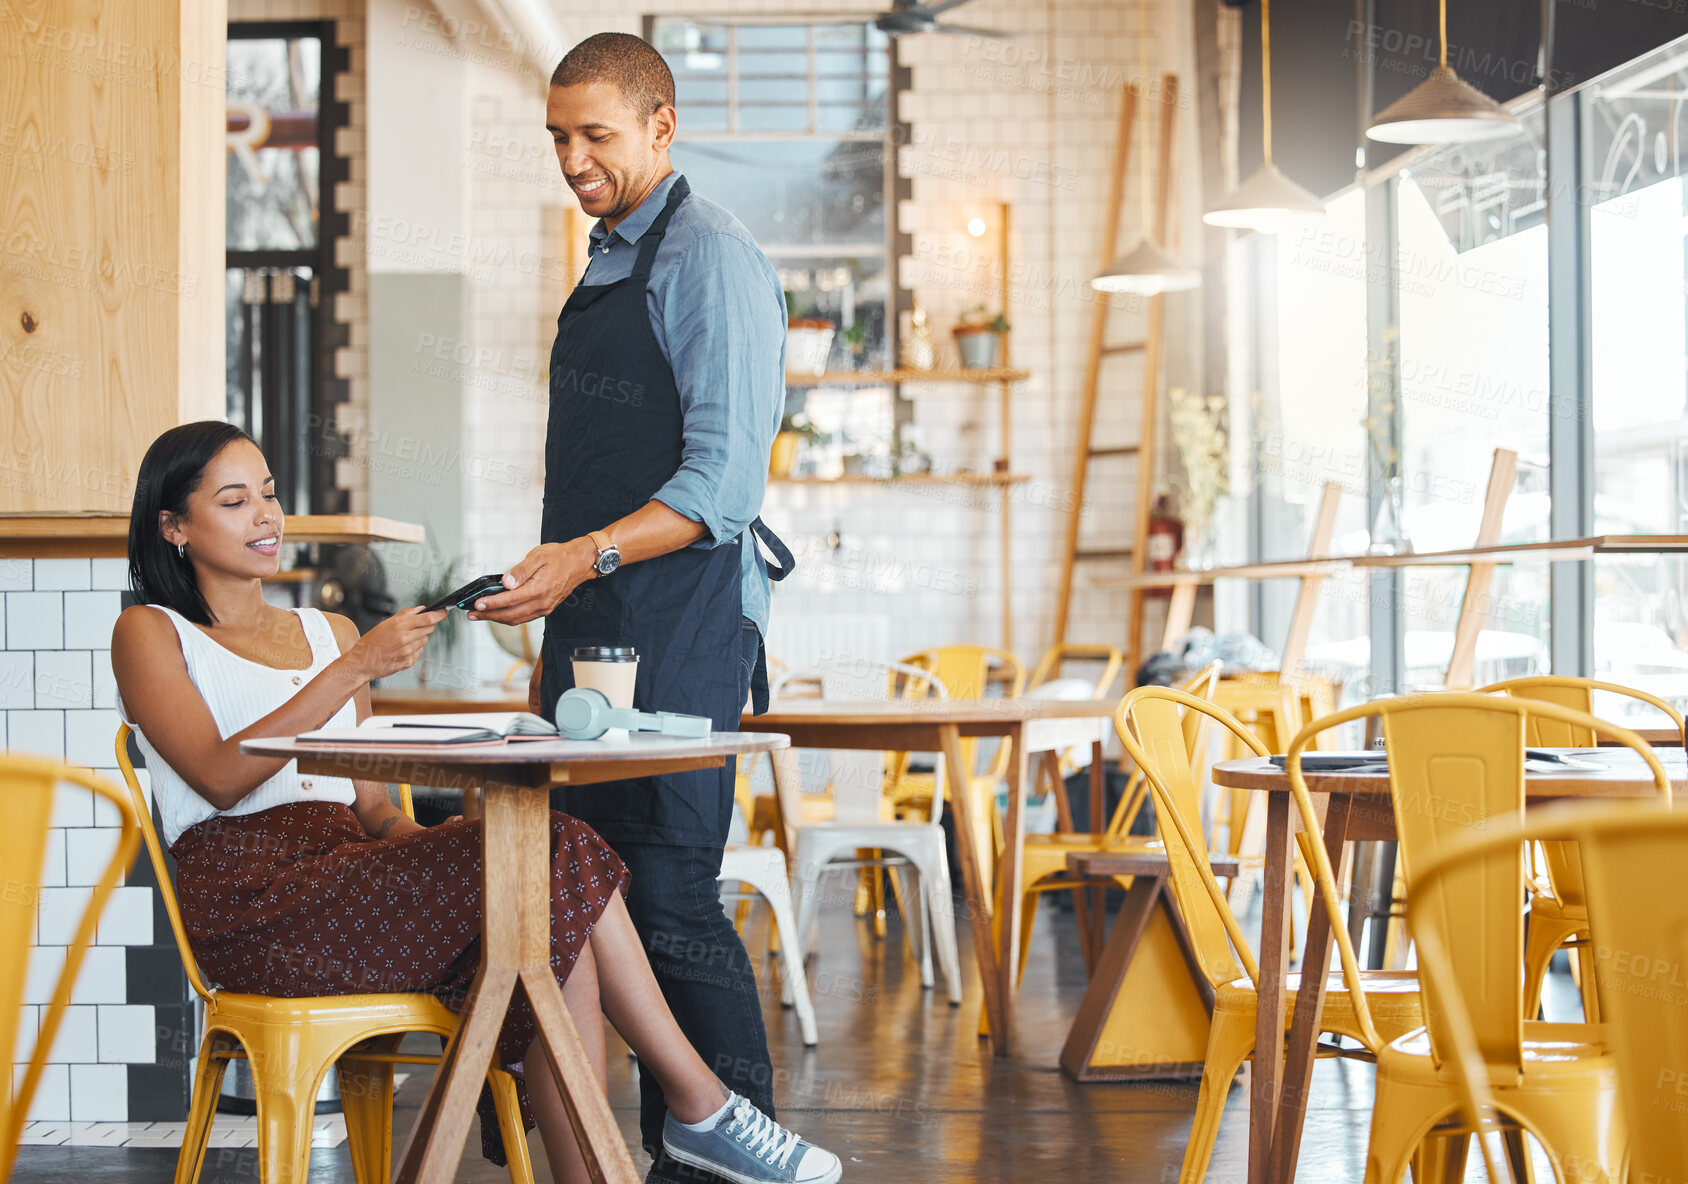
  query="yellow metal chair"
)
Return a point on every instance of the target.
[
  {"x": 290, "y": 1044},
  {"x": 1050, "y": 667},
  {"x": 28, "y": 786},
  {"x": 1043, "y": 863},
  {"x": 969, "y": 672},
  {"x": 1456, "y": 766},
  {"x": 1627, "y": 851},
  {"x": 1558, "y": 912},
  {"x": 1153, "y": 734}
]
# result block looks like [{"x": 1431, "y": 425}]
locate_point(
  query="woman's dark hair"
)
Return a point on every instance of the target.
[{"x": 171, "y": 470}]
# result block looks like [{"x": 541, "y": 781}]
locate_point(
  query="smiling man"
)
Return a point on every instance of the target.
[{"x": 667, "y": 381}]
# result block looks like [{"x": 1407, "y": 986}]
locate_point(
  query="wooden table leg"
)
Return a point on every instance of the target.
[
  {"x": 1050, "y": 763},
  {"x": 973, "y": 884},
  {"x": 1013, "y": 853},
  {"x": 515, "y": 942},
  {"x": 1098, "y": 1001},
  {"x": 1274, "y": 958},
  {"x": 1098, "y": 823},
  {"x": 1309, "y": 1003}
]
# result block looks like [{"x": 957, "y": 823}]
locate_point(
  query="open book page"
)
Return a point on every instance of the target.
[{"x": 503, "y": 723}]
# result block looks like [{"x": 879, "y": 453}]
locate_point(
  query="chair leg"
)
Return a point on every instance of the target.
[
  {"x": 509, "y": 1108},
  {"x": 286, "y": 1083},
  {"x": 366, "y": 1098},
  {"x": 905, "y": 886},
  {"x": 778, "y": 895},
  {"x": 1229, "y": 1042},
  {"x": 942, "y": 908},
  {"x": 207, "y": 1084},
  {"x": 1441, "y": 1160},
  {"x": 811, "y": 864},
  {"x": 1587, "y": 980}
]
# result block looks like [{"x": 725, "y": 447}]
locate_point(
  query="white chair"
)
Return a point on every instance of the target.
[
  {"x": 912, "y": 851},
  {"x": 763, "y": 868}
]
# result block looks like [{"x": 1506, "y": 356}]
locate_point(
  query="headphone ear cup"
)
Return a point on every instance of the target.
[{"x": 582, "y": 713}]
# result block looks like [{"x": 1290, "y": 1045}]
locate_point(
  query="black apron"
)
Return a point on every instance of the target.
[{"x": 614, "y": 439}]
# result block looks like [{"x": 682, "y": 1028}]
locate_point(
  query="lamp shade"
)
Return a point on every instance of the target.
[
  {"x": 1147, "y": 270},
  {"x": 1267, "y": 201},
  {"x": 1443, "y": 109}
]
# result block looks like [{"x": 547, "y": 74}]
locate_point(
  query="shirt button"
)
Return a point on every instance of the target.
[
  {"x": 304, "y": 785},
  {"x": 296, "y": 680}
]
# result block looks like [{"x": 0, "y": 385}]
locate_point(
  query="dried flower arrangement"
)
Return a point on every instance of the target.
[{"x": 1199, "y": 432}]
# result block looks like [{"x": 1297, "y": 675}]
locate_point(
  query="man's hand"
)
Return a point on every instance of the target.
[{"x": 539, "y": 583}]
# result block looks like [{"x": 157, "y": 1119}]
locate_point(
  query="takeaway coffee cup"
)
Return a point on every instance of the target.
[{"x": 611, "y": 669}]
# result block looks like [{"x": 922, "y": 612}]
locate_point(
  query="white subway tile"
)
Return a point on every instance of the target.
[
  {"x": 42, "y": 973},
  {"x": 40, "y": 733},
  {"x": 76, "y": 1042},
  {"x": 53, "y": 862},
  {"x": 35, "y": 621},
  {"x": 103, "y": 976},
  {"x": 17, "y": 680},
  {"x": 62, "y": 574},
  {"x": 28, "y": 1016},
  {"x": 64, "y": 678},
  {"x": 52, "y": 1093},
  {"x": 110, "y": 573},
  {"x": 105, "y": 683},
  {"x": 16, "y": 575},
  {"x": 62, "y": 909},
  {"x": 99, "y": 1093},
  {"x": 126, "y": 1035},
  {"x": 105, "y": 812},
  {"x": 87, "y": 850},
  {"x": 89, "y": 617},
  {"x": 72, "y": 805},
  {"x": 127, "y": 919},
  {"x": 89, "y": 738}
]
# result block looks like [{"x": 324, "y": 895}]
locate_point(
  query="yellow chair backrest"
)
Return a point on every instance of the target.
[
  {"x": 1111, "y": 657},
  {"x": 1633, "y": 856},
  {"x": 1194, "y": 728},
  {"x": 28, "y": 786},
  {"x": 137, "y": 804},
  {"x": 968, "y": 672},
  {"x": 1456, "y": 766},
  {"x": 1563, "y": 866}
]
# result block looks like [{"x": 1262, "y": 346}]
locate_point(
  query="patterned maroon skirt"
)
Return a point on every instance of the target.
[{"x": 299, "y": 900}]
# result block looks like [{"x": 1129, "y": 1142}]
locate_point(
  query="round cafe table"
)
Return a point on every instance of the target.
[
  {"x": 1357, "y": 809},
  {"x": 516, "y": 780}
]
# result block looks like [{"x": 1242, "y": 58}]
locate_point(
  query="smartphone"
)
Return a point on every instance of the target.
[{"x": 466, "y": 596}]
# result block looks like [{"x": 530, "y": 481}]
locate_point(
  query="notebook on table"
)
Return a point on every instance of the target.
[{"x": 455, "y": 729}]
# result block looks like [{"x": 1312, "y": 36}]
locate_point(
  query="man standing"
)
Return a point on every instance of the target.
[{"x": 667, "y": 384}]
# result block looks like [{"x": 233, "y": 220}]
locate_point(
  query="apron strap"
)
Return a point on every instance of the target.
[
  {"x": 777, "y": 548},
  {"x": 652, "y": 238}
]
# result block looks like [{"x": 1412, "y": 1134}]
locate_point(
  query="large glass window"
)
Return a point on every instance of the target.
[
  {"x": 1633, "y": 170},
  {"x": 1471, "y": 290},
  {"x": 787, "y": 126}
]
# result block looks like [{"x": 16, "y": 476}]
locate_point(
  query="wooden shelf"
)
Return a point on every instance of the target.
[
  {"x": 1552, "y": 549},
  {"x": 106, "y": 536},
  {"x": 900, "y": 376},
  {"x": 1286, "y": 569},
  {"x": 909, "y": 479}
]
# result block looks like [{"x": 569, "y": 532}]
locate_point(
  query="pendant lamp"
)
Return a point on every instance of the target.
[
  {"x": 1443, "y": 109},
  {"x": 1146, "y": 270},
  {"x": 1267, "y": 201}
]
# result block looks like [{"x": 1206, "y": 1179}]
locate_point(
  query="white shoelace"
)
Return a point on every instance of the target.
[{"x": 766, "y": 1139}]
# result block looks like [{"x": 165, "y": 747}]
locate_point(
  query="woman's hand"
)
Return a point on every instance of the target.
[{"x": 395, "y": 644}]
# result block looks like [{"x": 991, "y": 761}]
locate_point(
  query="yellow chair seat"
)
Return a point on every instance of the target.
[{"x": 1393, "y": 996}]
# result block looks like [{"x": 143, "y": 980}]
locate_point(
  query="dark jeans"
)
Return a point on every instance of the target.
[{"x": 706, "y": 977}]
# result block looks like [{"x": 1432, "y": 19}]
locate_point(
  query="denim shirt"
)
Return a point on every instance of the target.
[{"x": 718, "y": 313}]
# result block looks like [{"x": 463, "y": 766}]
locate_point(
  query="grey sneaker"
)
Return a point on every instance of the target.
[{"x": 747, "y": 1146}]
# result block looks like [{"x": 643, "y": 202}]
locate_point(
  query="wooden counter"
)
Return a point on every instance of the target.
[{"x": 106, "y": 536}]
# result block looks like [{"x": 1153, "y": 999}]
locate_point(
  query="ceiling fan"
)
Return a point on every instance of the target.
[{"x": 908, "y": 16}]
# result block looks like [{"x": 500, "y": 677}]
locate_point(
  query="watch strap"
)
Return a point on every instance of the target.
[{"x": 600, "y": 540}]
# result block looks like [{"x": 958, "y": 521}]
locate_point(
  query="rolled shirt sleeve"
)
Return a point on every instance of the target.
[{"x": 722, "y": 320}]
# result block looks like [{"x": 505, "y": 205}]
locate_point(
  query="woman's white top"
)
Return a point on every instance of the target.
[{"x": 240, "y": 692}]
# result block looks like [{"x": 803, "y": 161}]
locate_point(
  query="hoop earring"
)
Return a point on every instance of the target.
[{"x": 181, "y": 550}]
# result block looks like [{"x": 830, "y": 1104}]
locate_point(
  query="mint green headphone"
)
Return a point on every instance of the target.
[{"x": 585, "y": 714}]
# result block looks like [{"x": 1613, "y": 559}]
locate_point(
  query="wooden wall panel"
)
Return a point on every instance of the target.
[{"x": 111, "y": 240}]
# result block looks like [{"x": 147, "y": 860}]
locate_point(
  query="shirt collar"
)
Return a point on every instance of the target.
[{"x": 631, "y": 228}]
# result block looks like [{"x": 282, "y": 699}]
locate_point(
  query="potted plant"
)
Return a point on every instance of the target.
[
  {"x": 446, "y": 578},
  {"x": 856, "y": 338},
  {"x": 793, "y": 427},
  {"x": 978, "y": 337},
  {"x": 808, "y": 340}
]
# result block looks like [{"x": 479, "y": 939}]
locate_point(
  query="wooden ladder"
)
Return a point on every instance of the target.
[{"x": 1100, "y": 348}]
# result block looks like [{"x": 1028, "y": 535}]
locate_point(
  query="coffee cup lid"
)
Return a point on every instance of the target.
[{"x": 605, "y": 653}]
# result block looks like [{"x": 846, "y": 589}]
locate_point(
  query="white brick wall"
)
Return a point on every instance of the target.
[{"x": 57, "y": 700}]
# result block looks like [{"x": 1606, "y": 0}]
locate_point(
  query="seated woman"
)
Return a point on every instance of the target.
[{"x": 318, "y": 885}]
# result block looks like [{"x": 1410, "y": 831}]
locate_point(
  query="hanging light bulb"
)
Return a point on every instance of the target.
[
  {"x": 1146, "y": 270},
  {"x": 1443, "y": 109},
  {"x": 1267, "y": 201}
]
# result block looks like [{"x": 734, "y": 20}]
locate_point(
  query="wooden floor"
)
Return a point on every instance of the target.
[{"x": 904, "y": 1092}]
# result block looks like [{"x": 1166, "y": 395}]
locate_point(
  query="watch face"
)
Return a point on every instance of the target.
[{"x": 608, "y": 561}]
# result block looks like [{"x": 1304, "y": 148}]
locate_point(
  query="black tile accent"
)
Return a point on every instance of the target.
[{"x": 159, "y": 1092}]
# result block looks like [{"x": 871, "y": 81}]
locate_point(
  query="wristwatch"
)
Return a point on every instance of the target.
[{"x": 609, "y": 555}]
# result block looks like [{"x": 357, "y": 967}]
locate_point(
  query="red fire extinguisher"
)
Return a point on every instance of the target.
[{"x": 1166, "y": 537}]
